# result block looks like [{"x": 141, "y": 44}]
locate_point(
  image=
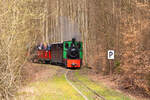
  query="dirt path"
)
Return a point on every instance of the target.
[{"x": 48, "y": 82}]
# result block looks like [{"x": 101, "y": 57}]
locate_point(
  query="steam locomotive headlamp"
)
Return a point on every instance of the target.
[{"x": 73, "y": 64}]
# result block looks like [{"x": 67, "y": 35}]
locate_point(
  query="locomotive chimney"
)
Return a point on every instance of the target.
[{"x": 73, "y": 40}]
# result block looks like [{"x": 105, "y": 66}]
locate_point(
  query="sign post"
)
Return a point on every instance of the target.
[{"x": 111, "y": 56}]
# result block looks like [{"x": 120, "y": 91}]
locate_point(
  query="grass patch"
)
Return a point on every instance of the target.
[
  {"x": 107, "y": 93},
  {"x": 54, "y": 89}
]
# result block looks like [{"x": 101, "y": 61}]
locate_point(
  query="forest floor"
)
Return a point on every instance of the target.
[{"x": 50, "y": 82}]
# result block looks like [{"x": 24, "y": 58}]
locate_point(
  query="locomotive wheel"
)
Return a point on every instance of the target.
[
  {"x": 65, "y": 64},
  {"x": 43, "y": 61},
  {"x": 40, "y": 61},
  {"x": 47, "y": 62}
]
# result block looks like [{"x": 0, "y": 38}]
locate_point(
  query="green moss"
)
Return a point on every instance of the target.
[
  {"x": 117, "y": 64},
  {"x": 117, "y": 67}
]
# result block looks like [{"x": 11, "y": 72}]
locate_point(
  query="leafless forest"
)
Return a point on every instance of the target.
[{"x": 120, "y": 25}]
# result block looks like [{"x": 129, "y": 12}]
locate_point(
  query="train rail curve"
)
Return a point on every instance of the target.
[{"x": 74, "y": 82}]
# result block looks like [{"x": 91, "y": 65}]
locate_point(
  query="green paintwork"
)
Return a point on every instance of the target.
[
  {"x": 69, "y": 44},
  {"x": 81, "y": 51}
]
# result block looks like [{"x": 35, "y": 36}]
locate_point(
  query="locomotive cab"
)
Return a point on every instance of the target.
[{"x": 73, "y": 53}]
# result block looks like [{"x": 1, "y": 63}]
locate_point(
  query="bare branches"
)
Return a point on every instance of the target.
[{"x": 16, "y": 33}]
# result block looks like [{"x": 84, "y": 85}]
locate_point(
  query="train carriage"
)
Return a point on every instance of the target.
[
  {"x": 68, "y": 53},
  {"x": 40, "y": 54},
  {"x": 57, "y": 53}
]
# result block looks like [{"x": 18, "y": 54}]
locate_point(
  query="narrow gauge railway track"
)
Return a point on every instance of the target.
[{"x": 71, "y": 77}]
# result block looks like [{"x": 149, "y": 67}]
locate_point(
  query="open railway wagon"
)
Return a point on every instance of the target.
[
  {"x": 44, "y": 56},
  {"x": 68, "y": 53},
  {"x": 40, "y": 55}
]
